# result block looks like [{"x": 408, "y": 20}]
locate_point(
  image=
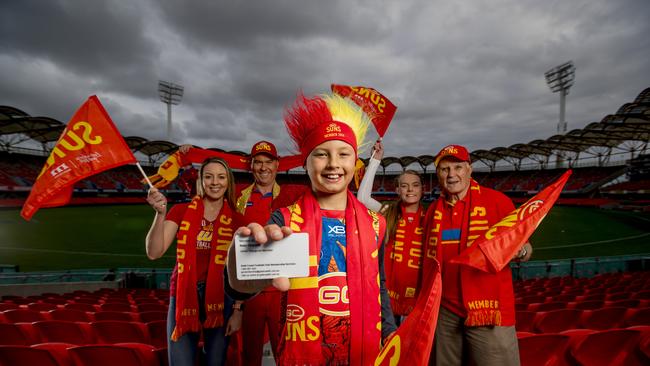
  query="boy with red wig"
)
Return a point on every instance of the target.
[{"x": 345, "y": 245}]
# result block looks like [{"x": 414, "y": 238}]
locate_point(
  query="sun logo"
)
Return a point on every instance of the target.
[
  {"x": 263, "y": 146},
  {"x": 528, "y": 208},
  {"x": 333, "y": 127}
]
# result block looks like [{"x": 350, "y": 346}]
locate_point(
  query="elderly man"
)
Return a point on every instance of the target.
[
  {"x": 256, "y": 202},
  {"x": 477, "y": 314}
]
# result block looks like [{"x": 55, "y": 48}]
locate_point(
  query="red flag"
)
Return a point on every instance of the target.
[
  {"x": 411, "y": 344},
  {"x": 495, "y": 248},
  {"x": 90, "y": 144},
  {"x": 168, "y": 170},
  {"x": 378, "y": 107}
]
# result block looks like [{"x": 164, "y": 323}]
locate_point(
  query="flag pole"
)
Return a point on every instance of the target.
[{"x": 144, "y": 174}]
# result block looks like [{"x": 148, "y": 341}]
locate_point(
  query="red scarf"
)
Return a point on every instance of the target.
[
  {"x": 301, "y": 342},
  {"x": 187, "y": 304},
  {"x": 487, "y": 298},
  {"x": 403, "y": 261}
]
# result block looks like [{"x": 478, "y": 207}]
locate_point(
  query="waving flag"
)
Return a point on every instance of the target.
[
  {"x": 90, "y": 144},
  {"x": 499, "y": 244},
  {"x": 377, "y": 106},
  {"x": 411, "y": 344},
  {"x": 168, "y": 170}
]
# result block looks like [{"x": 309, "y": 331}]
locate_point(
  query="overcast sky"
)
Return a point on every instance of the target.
[{"x": 469, "y": 72}]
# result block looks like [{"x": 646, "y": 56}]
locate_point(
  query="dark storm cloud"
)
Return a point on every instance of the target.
[{"x": 468, "y": 72}]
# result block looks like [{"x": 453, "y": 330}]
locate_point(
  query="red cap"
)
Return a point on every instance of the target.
[
  {"x": 264, "y": 147},
  {"x": 455, "y": 151}
]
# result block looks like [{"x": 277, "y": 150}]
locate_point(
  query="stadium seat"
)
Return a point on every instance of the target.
[
  {"x": 17, "y": 334},
  {"x": 115, "y": 331},
  {"x": 628, "y": 303},
  {"x": 557, "y": 320},
  {"x": 64, "y": 331},
  {"x": 151, "y": 307},
  {"x": 543, "y": 349},
  {"x": 22, "y": 315},
  {"x": 111, "y": 355},
  {"x": 114, "y": 306},
  {"x": 25, "y": 355},
  {"x": 8, "y": 306},
  {"x": 608, "y": 347},
  {"x": 149, "y": 316},
  {"x": 525, "y": 320},
  {"x": 638, "y": 317},
  {"x": 158, "y": 333},
  {"x": 587, "y": 305},
  {"x": 605, "y": 318},
  {"x": 87, "y": 300},
  {"x": 71, "y": 315},
  {"x": 612, "y": 296},
  {"x": 41, "y": 306},
  {"x": 642, "y": 295},
  {"x": 55, "y": 300},
  {"x": 547, "y": 306},
  {"x": 82, "y": 307},
  {"x": 115, "y": 315}
]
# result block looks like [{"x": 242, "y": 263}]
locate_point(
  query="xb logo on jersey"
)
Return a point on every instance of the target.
[{"x": 336, "y": 230}]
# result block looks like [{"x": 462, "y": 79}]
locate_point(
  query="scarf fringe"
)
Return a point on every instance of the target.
[
  {"x": 213, "y": 321},
  {"x": 483, "y": 317},
  {"x": 187, "y": 325}
]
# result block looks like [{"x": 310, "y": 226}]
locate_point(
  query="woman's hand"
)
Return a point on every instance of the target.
[
  {"x": 378, "y": 150},
  {"x": 157, "y": 200}
]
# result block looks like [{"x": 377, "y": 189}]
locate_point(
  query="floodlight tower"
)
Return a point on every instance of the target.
[
  {"x": 560, "y": 79},
  {"x": 169, "y": 93}
]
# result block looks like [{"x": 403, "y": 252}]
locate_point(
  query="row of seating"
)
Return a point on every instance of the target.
[
  {"x": 582, "y": 305},
  {"x": 554, "y": 321},
  {"x": 107, "y": 306},
  {"x": 82, "y": 333},
  {"x": 629, "y": 347},
  {"x": 26, "y": 315},
  {"x": 63, "y": 354}
]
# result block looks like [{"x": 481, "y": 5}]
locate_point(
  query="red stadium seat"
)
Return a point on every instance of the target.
[
  {"x": 158, "y": 332},
  {"x": 543, "y": 349},
  {"x": 114, "y": 306},
  {"x": 71, "y": 315},
  {"x": 111, "y": 355},
  {"x": 146, "y": 300},
  {"x": 149, "y": 316},
  {"x": 115, "y": 315},
  {"x": 115, "y": 331},
  {"x": 525, "y": 320},
  {"x": 87, "y": 300},
  {"x": 642, "y": 295},
  {"x": 608, "y": 347},
  {"x": 22, "y": 316},
  {"x": 605, "y": 318},
  {"x": 638, "y": 317},
  {"x": 588, "y": 305},
  {"x": 81, "y": 307},
  {"x": 547, "y": 306},
  {"x": 41, "y": 306},
  {"x": 151, "y": 307},
  {"x": 17, "y": 334},
  {"x": 557, "y": 320},
  {"x": 64, "y": 331},
  {"x": 612, "y": 296},
  {"x": 629, "y": 303},
  {"x": 8, "y": 306},
  {"x": 25, "y": 355}
]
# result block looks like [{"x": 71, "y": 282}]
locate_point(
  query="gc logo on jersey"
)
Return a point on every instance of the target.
[{"x": 333, "y": 294}]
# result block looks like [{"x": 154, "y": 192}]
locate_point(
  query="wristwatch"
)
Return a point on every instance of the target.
[{"x": 238, "y": 306}]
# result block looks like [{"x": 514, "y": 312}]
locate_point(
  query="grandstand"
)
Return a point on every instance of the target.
[{"x": 575, "y": 311}]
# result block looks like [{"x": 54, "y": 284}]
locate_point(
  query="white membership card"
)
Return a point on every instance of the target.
[{"x": 288, "y": 257}]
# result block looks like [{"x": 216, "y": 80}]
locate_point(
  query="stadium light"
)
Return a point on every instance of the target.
[
  {"x": 169, "y": 93},
  {"x": 560, "y": 79}
]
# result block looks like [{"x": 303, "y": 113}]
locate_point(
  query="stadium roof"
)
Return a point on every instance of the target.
[{"x": 628, "y": 127}]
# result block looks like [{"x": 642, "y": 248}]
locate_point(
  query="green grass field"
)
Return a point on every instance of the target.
[{"x": 113, "y": 236}]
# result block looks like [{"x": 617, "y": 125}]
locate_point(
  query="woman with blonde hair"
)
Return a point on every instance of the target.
[
  {"x": 203, "y": 230},
  {"x": 404, "y": 229}
]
